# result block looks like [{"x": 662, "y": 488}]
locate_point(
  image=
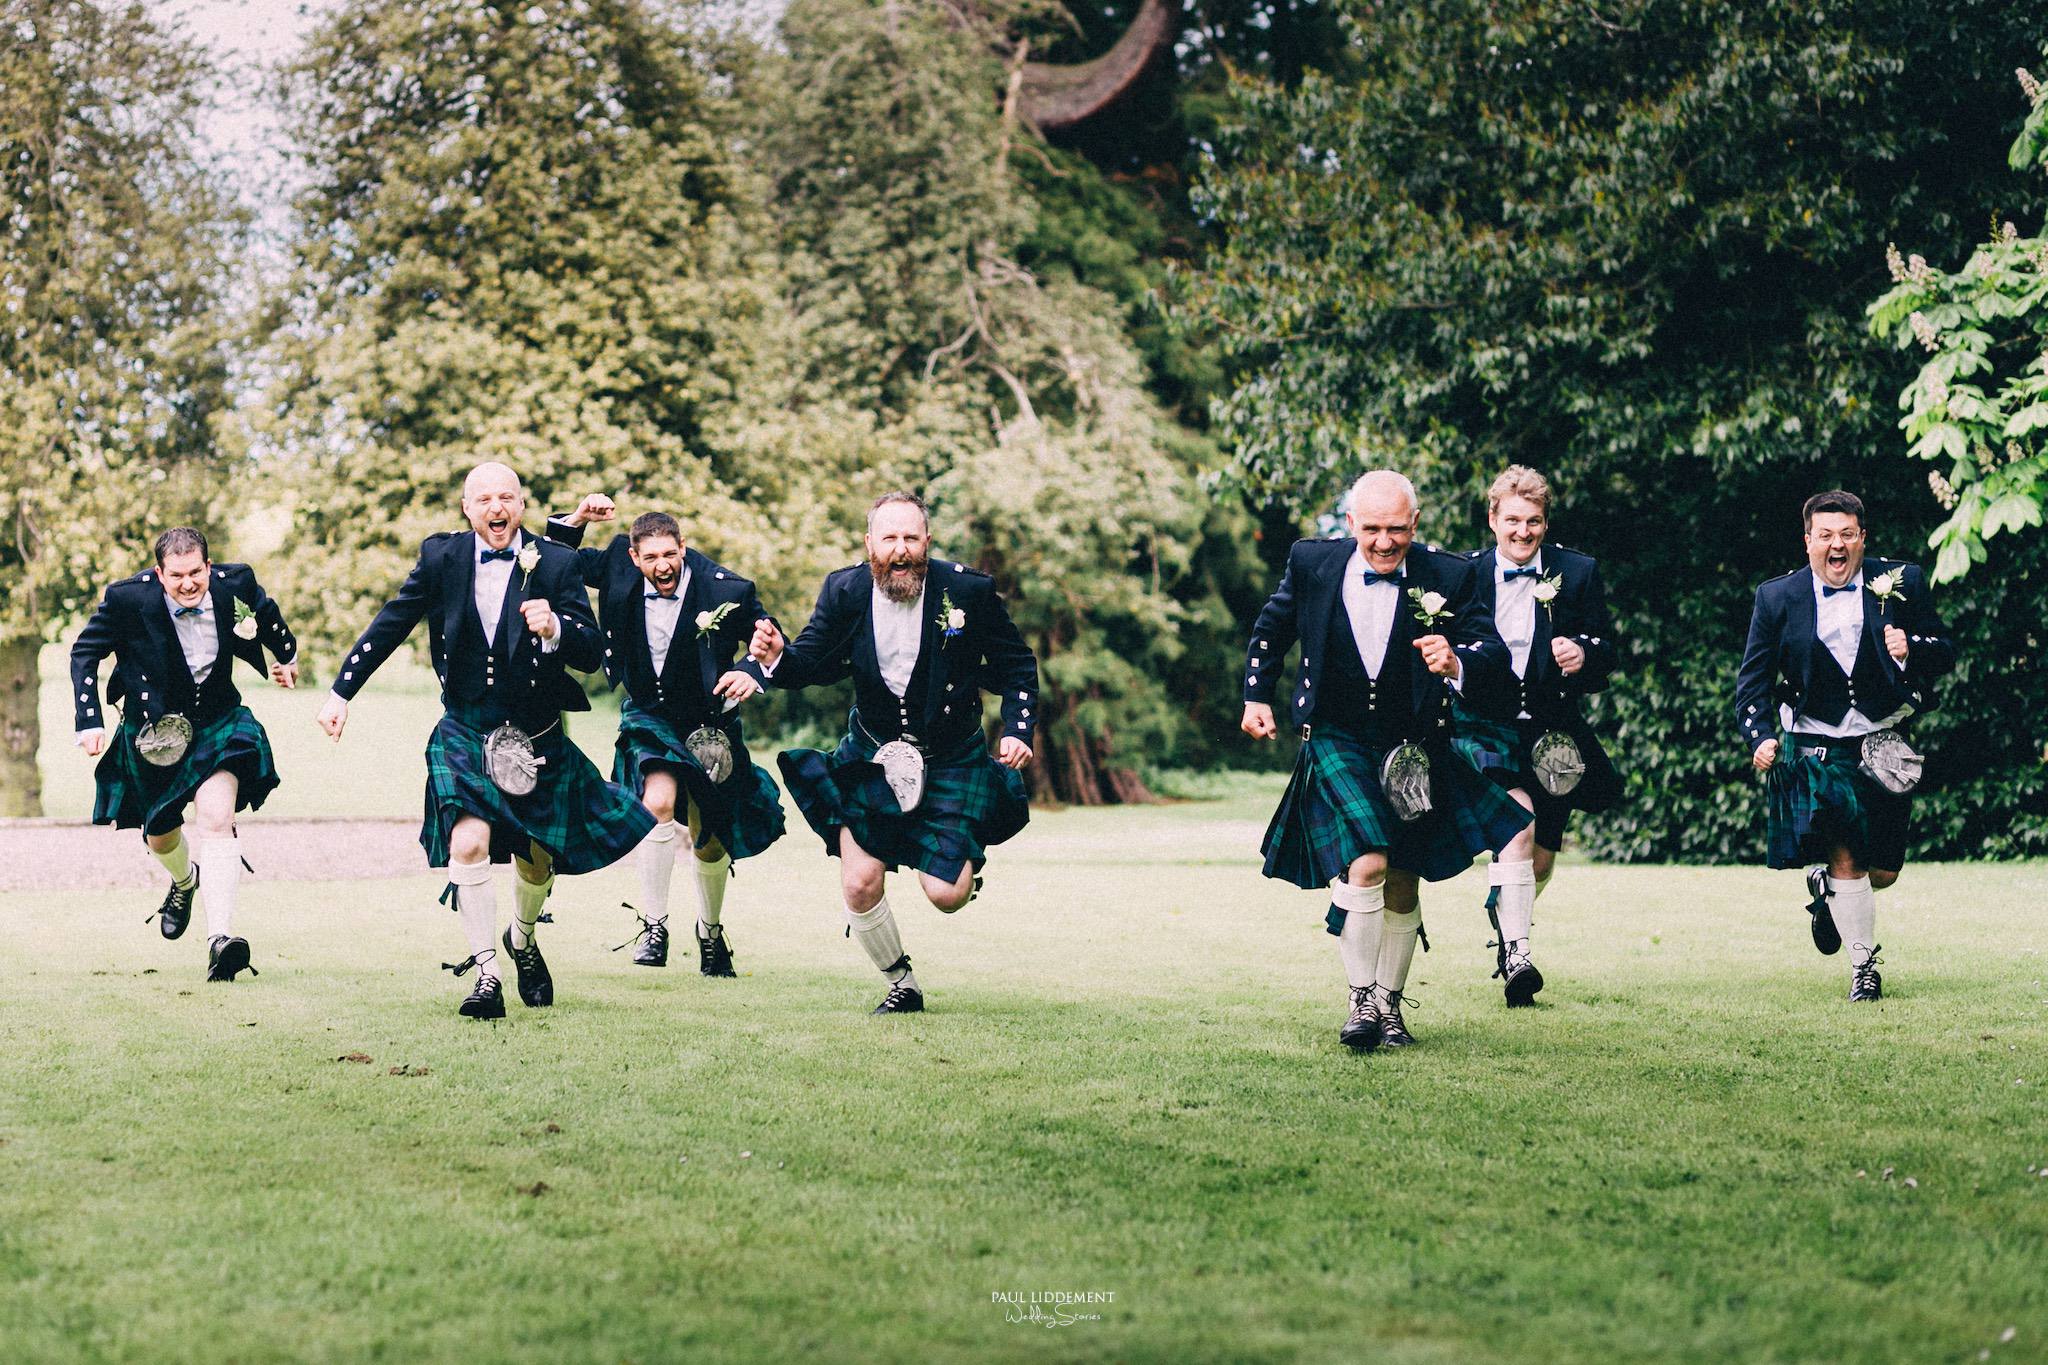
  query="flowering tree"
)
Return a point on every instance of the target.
[{"x": 1979, "y": 406}]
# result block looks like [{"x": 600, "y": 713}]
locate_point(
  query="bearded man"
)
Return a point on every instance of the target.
[
  {"x": 912, "y": 783},
  {"x": 673, "y": 619},
  {"x": 184, "y": 738},
  {"x": 1379, "y": 800},
  {"x": 1838, "y": 658},
  {"x": 507, "y": 617}
]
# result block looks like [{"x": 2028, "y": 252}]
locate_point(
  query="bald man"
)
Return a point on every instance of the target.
[
  {"x": 507, "y": 617},
  {"x": 1389, "y": 631}
]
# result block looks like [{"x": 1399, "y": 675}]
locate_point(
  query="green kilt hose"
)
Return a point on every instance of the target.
[
  {"x": 583, "y": 821},
  {"x": 970, "y": 803},
  {"x": 128, "y": 792},
  {"x": 744, "y": 813},
  {"x": 1501, "y": 750},
  {"x": 1820, "y": 800},
  {"x": 1334, "y": 811}
]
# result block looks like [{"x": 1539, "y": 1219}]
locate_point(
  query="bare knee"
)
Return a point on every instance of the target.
[
  {"x": 1880, "y": 880},
  {"x": 1404, "y": 892},
  {"x": 1545, "y": 860},
  {"x": 950, "y": 896},
  {"x": 861, "y": 885},
  {"x": 660, "y": 805},
  {"x": 469, "y": 841},
  {"x": 1367, "y": 869}
]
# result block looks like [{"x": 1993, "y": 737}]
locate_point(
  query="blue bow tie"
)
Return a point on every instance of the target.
[
  {"x": 486, "y": 556},
  {"x": 1827, "y": 592},
  {"x": 661, "y": 597},
  {"x": 1530, "y": 571},
  {"x": 1372, "y": 577},
  {"x": 182, "y": 612}
]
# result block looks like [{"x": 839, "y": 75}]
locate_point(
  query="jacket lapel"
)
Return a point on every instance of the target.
[
  {"x": 510, "y": 627},
  {"x": 1543, "y": 628},
  {"x": 224, "y": 626},
  {"x": 460, "y": 589},
  {"x": 156, "y": 619},
  {"x": 1802, "y": 626}
]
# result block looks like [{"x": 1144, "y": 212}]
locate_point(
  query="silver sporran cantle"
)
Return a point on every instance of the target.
[
  {"x": 903, "y": 768},
  {"x": 1890, "y": 762},
  {"x": 1404, "y": 777},
  {"x": 1558, "y": 763},
  {"x": 510, "y": 761},
  {"x": 710, "y": 747},
  {"x": 164, "y": 741}
]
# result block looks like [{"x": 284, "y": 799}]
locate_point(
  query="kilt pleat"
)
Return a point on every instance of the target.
[
  {"x": 744, "y": 813},
  {"x": 130, "y": 793},
  {"x": 971, "y": 803},
  {"x": 583, "y": 821},
  {"x": 1334, "y": 811},
  {"x": 1816, "y": 803}
]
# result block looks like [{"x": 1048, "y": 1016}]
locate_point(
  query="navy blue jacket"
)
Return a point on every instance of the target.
[
  {"x": 1785, "y": 662},
  {"x": 150, "y": 674},
  {"x": 1311, "y": 590},
  {"x": 535, "y": 685},
  {"x": 1578, "y": 613},
  {"x": 987, "y": 654},
  {"x": 695, "y": 662}
]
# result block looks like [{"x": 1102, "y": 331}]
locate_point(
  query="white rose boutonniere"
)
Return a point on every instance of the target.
[
  {"x": 708, "y": 621},
  {"x": 529, "y": 558},
  {"x": 1431, "y": 608},
  {"x": 1547, "y": 588},
  {"x": 1886, "y": 585},
  {"x": 245, "y": 620},
  {"x": 952, "y": 620}
]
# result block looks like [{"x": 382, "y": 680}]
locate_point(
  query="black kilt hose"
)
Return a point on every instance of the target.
[
  {"x": 1820, "y": 799},
  {"x": 583, "y": 821},
  {"x": 1334, "y": 811},
  {"x": 970, "y": 803},
  {"x": 1501, "y": 750},
  {"x": 744, "y": 813},
  {"x": 129, "y": 793}
]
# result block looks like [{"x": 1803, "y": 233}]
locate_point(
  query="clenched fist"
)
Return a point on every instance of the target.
[
  {"x": 1258, "y": 721},
  {"x": 767, "y": 644},
  {"x": 540, "y": 618},
  {"x": 594, "y": 507},
  {"x": 1438, "y": 656}
]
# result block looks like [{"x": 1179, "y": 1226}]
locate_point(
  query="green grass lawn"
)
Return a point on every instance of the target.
[{"x": 1128, "y": 1083}]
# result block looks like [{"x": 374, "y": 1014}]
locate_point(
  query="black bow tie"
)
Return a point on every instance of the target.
[
  {"x": 661, "y": 597},
  {"x": 1827, "y": 592},
  {"x": 1531, "y": 571},
  {"x": 1372, "y": 577},
  {"x": 182, "y": 612},
  {"x": 486, "y": 556}
]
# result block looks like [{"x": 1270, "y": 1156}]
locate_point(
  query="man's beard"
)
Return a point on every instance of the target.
[{"x": 899, "y": 583}]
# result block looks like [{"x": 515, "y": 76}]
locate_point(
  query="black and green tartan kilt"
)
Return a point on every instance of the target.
[
  {"x": 970, "y": 803},
  {"x": 1818, "y": 803},
  {"x": 583, "y": 821},
  {"x": 1501, "y": 749},
  {"x": 128, "y": 792},
  {"x": 744, "y": 813},
  {"x": 1334, "y": 811}
]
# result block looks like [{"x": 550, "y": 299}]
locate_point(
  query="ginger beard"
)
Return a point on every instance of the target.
[{"x": 899, "y": 551}]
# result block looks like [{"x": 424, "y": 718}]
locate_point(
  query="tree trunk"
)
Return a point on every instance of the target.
[
  {"x": 21, "y": 782},
  {"x": 1055, "y": 97},
  {"x": 1075, "y": 771}
]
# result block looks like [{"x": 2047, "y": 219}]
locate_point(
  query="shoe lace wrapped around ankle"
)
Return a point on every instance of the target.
[
  {"x": 473, "y": 960},
  {"x": 899, "y": 994},
  {"x": 653, "y": 931},
  {"x": 1512, "y": 959},
  {"x": 1870, "y": 965}
]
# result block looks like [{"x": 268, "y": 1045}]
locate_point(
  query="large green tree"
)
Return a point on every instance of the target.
[
  {"x": 521, "y": 239},
  {"x": 994, "y": 359},
  {"x": 1630, "y": 245},
  {"x": 115, "y": 239}
]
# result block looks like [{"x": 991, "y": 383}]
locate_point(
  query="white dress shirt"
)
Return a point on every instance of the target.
[
  {"x": 899, "y": 630},
  {"x": 1514, "y": 608},
  {"x": 1838, "y": 622},
  {"x": 198, "y": 636},
  {"x": 1371, "y": 608},
  {"x": 491, "y": 578},
  {"x": 663, "y": 615}
]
